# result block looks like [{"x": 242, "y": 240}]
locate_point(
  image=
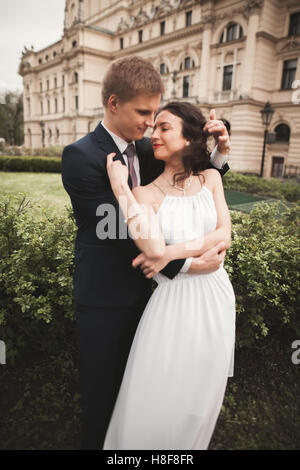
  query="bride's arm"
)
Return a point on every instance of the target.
[{"x": 139, "y": 216}]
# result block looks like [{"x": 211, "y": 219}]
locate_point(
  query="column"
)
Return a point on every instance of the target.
[
  {"x": 205, "y": 64},
  {"x": 249, "y": 58}
]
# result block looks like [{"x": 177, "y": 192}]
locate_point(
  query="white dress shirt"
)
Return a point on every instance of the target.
[
  {"x": 122, "y": 146},
  {"x": 218, "y": 160}
]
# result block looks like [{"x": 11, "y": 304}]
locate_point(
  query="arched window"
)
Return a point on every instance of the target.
[
  {"x": 282, "y": 132},
  {"x": 187, "y": 64},
  {"x": 163, "y": 68},
  {"x": 75, "y": 77},
  {"x": 232, "y": 32},
  {"x": 74, "y": 43}
]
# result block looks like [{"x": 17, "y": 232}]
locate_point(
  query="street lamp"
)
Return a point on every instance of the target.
[{"x": 266, "y": 115}]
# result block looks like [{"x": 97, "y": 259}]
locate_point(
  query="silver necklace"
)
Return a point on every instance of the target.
[{"x": 174, "y": 185}]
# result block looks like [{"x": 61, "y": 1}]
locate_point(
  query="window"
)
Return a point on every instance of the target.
[
  {"x": 56, "y": 105},
  {"x": 185, "y": 86},
  {"x": 47, "y": 57},
  {"x": 74, "y": 43},
  {"x": 288, "y": 73},
  {"x": 294, "y": 24},
  {"x": 42, "y": 108},
  {"x": 162, "y": 28},
  {"x": 41, "y": 86},
  {"x": 48, "y": 84},
  {"x": 48, "y": 103},
  {"x": 75, "y": 77},
  {"x": 227, "y": 77},
  {"x": 282, "y": 132},
  {"x": 121, "y": 43},
  {"x": 40, "y": 61},
  {"x": 277, "y": 167},
  {"x": 63, "y": 80},
  {"x": 187, "y": 64},
  {"x": 57, "y": 134},
  {"x": 54, "y": 53},
  {"x": 55, "y": 82},
  {"x": 163, "y": 69},
  {"x": 76, "y": 103},
  {"x": 141, "y": 35},
  {"x": 64, "y": 104},
  {"x": 188, "y": 18},
  {"x": 232, "y": 32}
]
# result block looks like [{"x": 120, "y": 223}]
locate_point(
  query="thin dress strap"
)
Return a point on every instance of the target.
[
  {"x": 200, "y": 180},
  {"x": 159, "y": 188}
]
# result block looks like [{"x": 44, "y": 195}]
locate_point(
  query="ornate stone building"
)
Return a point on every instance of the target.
[{"x": 231, "y": 55}]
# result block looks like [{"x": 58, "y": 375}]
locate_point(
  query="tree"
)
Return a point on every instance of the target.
[{"x": 11, "y": 118}]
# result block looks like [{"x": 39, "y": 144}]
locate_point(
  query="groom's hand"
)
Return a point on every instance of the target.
[
  {"x": 218, "y": 129},
  {"x": 150, "y": 266},
  {"x": 210, "y": 261}
]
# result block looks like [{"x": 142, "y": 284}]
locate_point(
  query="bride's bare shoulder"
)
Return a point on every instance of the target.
[{"x": 212, "y": 178}]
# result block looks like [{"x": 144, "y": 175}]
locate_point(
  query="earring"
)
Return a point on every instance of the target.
[{"x": 187, "y": 143}]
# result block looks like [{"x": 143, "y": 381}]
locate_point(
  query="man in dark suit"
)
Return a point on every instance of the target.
[{"x": 110, "y": 295}]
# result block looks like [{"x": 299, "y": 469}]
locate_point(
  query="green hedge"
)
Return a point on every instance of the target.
[
  {"x": 40, "y": 396},
  {"x": 271, "y": 188},
  {"x": 30, "y": 164},
  {"x": 36, "y": 266}
]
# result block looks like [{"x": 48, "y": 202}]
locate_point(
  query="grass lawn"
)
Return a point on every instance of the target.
[
  {"x": 44, "y": 189},
  {"x": 47, "y": 190}
]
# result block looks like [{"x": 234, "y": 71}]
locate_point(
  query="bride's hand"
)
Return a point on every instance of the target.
[
  {"x": 117, "y": 172},
  {"x": 150, "y": 266}
]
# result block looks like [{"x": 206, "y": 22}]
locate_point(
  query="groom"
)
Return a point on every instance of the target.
[{"x": 110, "y": 295}]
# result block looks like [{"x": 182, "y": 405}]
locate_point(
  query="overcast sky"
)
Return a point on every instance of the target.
[{"x": 26, "y": 23}]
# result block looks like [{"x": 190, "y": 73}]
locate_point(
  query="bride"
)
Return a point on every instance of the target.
[{"x": 182, "y": 354}]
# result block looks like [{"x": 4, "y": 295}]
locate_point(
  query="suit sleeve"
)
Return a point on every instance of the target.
[{"x": 87, "y": 184}]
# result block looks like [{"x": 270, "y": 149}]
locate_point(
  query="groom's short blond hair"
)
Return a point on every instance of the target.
[{"x": 129, "y": 77}]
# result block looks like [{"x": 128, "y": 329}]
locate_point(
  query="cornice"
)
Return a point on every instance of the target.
[
  {"x": 220, "y": 45},
  {"x": 66, "y": 57},
  {"x": 268, "y": 36},
  {"x": 160, "y": 40}
]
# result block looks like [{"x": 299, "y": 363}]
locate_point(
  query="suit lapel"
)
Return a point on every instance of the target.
[{"x": 108, "y": 145}]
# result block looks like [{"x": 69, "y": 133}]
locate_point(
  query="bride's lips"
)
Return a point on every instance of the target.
[{"x": 156, "y": 146}]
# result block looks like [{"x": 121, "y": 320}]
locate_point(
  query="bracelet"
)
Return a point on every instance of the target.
[{"x": 137, "y": 211}]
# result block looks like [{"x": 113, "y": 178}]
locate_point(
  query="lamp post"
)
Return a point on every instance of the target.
[{"x": 266, "y": 115}]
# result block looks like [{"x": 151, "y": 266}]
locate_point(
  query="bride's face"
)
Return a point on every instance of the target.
[{"x": 167, "y": 139}]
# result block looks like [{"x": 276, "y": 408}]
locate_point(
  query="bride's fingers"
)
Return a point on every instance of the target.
[{"x": 110, "y": 157}]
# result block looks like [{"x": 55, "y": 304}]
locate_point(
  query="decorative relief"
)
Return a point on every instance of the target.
[
  {"x": 163, "y": 9},
  {"x": 291, "y": 45},
  {"x": 172, "y": 56}
]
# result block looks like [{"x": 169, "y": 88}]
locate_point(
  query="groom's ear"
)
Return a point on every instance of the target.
[{"x": 112, "y": 103}]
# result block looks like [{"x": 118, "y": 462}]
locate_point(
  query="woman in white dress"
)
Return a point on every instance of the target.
[{"x": 182, "y": 354}]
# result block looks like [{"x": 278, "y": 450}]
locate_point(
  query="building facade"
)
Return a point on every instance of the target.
[{"x": 230, "y": 55}]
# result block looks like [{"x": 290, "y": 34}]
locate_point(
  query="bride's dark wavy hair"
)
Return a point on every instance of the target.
[{"x": 195, "y": 157}]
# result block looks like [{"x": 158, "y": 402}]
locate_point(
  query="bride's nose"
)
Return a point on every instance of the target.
[{"x": 155, "y": 134}]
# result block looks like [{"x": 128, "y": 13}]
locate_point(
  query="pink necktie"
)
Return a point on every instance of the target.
[{"x": 130, "y": 152}]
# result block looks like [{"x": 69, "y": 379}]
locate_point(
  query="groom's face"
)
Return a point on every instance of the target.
[{"x": 132, "y": 118}]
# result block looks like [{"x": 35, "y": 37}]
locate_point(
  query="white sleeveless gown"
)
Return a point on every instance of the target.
[{"x": 183, "y": 351}]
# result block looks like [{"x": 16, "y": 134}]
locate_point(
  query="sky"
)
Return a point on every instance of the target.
[{"x": 26, "y": 23}]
